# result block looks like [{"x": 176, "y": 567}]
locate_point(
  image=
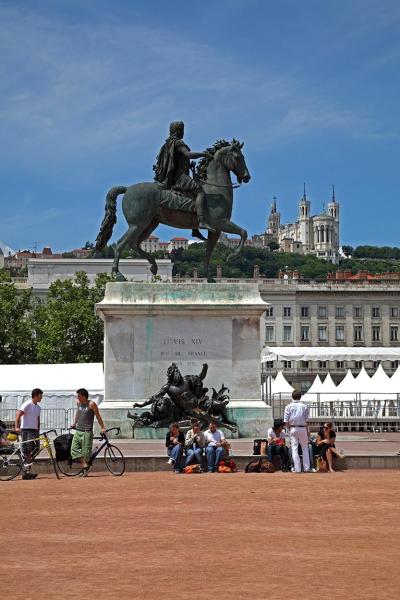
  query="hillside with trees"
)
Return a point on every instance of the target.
[{"x": 270, "y": 263}]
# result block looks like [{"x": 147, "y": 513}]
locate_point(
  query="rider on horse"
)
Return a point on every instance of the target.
[{"x": 172, "y": 169}]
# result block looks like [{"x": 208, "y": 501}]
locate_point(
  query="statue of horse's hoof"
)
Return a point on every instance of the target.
[{"x": 118, "y": 276}]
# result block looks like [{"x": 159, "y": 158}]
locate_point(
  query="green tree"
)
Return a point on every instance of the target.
[
  {"x": 273, "y": 245},
  {"x": 67, "y": 328},
  {"x": 347, "y": 250},
  {"x": 17, "y": 340},
  {"x": 232, "y": 266},
  {"x": 377, "y": 252}
]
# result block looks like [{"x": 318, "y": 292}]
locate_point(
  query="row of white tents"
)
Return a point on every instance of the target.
[{"x": 361, "y": 387}]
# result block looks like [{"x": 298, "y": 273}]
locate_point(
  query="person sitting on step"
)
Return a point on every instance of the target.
[
  {"x": 175, "y": 441},
  {"x": 277, "y": 444}
]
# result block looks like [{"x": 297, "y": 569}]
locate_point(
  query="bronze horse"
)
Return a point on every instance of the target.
[{"x": 145, "y": 206}]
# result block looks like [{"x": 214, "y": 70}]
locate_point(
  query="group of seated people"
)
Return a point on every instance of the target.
[
  {"x": 322, "y": 446},
  {"x": 206, "y": 448}
]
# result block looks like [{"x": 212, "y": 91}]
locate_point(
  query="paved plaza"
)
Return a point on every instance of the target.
[{"x": 232, "y": 537}]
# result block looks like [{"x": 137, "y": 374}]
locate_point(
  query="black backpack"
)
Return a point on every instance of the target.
[{"x": 62, "y": 445}]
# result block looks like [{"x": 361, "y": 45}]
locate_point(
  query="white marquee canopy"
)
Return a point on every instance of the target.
[
  {"x": 58, "y": 382},
  {"x": 328, "y": 353}
]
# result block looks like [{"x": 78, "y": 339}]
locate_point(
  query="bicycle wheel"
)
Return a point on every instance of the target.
[
  {"x": 70, "y": 467},
  {"x": 53, "y": 462},
  {"x": 10, "y": 467},
  {"x": 114, "y": 459}
]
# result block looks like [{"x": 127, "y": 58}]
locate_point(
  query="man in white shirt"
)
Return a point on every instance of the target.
[
  {"x": 214, "y": 449},
  {"x": 295, "y": 417},
  {"x": 27, "y": 422}
]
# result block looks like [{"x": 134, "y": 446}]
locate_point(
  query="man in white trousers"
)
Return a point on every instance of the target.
[{"x": 296, "y": 416}]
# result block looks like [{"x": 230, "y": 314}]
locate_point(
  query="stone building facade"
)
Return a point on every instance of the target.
[
  {"x": 340, "y": 313},
  {"x": 43, "y": 272}
]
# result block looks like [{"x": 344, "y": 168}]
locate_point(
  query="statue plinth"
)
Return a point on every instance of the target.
[{"x": 147, "y": 326}]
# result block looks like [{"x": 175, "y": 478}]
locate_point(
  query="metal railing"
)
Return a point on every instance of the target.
[
  {"x": 347, "y": 415},
  {"x": 50, "y": 418}
]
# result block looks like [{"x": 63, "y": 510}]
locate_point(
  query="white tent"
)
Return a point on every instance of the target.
[
  {"x": 58, "y": 382},
  {"x": 280, "y": 385},
  {"x": 312, "y": 394},
  {"x": 362, "y": 383},
  {"x": 327, "y": 389},
  {"x": 346, "y": 388},
  {"x": 380, "y": 386}
]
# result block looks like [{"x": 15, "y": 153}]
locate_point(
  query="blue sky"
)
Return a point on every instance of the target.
[{"x": 87, "y": 90}]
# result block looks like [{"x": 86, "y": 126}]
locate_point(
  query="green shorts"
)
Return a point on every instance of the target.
[{"x": 82, "y": 445}]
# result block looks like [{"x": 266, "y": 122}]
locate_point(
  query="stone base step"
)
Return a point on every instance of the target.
[{"x": 159, "y": 463}]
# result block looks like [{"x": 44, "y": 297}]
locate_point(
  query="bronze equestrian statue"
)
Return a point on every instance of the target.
[{"x": 177, "y": 200}]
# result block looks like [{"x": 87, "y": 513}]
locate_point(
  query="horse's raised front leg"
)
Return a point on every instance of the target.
[
  {"x": 129, "y": 238},
  {"x": 212, "y": 239},
  {"x": 231, "y": 227}
]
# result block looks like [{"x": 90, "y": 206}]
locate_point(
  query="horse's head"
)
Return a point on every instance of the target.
[{"x": 233, "y": 158}]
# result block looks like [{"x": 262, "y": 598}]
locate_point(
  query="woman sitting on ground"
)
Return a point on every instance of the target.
[
  {"x": 276, "y": 443},
  {"x": 175, "y": 441},
  {"x": 325, "y": 441}
]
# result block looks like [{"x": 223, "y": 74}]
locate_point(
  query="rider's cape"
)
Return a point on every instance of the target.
[{"x": 165, "y": 162}]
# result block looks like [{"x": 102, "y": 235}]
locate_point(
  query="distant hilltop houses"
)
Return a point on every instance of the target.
[
  {"x": 153, "y": 243},
  {"x": 309, "y": 234},
  {"x": 19, "y": 260}
]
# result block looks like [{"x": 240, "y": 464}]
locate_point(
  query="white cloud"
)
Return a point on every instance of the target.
[{"x": 69, "y": 89}]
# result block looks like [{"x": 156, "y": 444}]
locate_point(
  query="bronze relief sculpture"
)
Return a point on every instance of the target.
[{"x": 183, "y": 397}]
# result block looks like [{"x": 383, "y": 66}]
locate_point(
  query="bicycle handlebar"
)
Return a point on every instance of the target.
[{"x": 104, "y": 434}]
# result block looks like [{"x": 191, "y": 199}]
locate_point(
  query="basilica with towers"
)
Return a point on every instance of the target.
[{"x": 309, "y": 234}]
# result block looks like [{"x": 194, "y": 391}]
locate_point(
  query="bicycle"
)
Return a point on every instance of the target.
[
  {"x": 12, "y": 460},
  {"x": 113, "y": 458}
]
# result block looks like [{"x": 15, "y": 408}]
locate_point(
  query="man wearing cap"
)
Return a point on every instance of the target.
[{"x": 295, "y": 417}]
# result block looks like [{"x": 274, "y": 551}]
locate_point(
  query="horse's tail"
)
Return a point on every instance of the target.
[{"x": 110, "y": 218}]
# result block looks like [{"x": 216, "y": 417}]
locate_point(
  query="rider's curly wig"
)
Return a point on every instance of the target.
[{"x": 201, "y": 167}]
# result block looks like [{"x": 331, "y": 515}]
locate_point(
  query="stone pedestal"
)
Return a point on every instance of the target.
[{"x": 148, "y": 326}]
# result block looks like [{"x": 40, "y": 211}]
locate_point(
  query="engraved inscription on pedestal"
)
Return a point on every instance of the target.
[{"x": 184, "y": 340}]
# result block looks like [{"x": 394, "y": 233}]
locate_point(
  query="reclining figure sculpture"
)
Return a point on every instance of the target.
[{"x": 181, "y": 398}]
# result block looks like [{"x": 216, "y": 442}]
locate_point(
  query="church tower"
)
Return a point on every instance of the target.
[
  {"x": 274, "y": 221},
  {"x": 305, "y": 221},
  {"x": 333, "y": 211}
]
